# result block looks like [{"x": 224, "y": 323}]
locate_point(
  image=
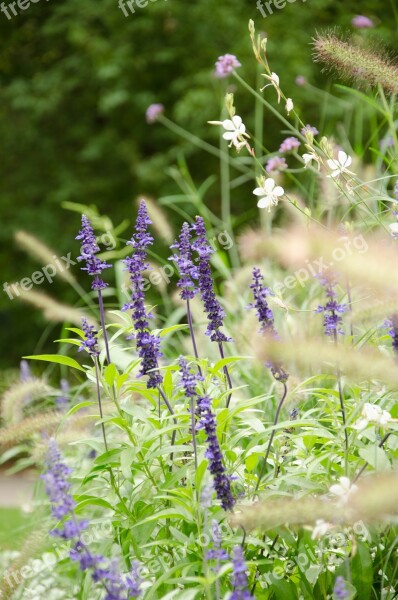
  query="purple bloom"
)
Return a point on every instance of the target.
[
  {"x": 222, "y": 483},
  {"x": 57, "y": 489},
  {"x": 89, "y": 248},
  {"x": 289, "y": 144},
  {"x": 217, "y": 553},
  {"x": 300, "y": 80},
  {"x": 263, "y": 311},
  {"x": 215, "y": 313},
  {"x": 361, "y": 22},
  {"x": 332, "y": 309},
  {"x": 153, "y": 112},
  {"x": 147, "y": 343},
  {"x": 392, "y": 324},
  {"x": 90, "y": 342},
  {"x": 183, "y": 259},
  {"x": 276, "y": 164},
  {"x": 340, "y": 589},
  {"x": 189, "y": 379},
  {"x": 133, "y": 580},
  {"x": 225, "y": 65},
  {"x": 309, "y": 129},
  {"x": 396, "y": 190},
  {"x": 240, "y": 581},
  {"x": 63, "y": 400}
]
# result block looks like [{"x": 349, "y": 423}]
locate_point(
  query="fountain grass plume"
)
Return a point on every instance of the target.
[{"x": 356, "y": 63}]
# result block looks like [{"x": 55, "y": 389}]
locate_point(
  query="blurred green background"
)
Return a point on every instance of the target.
[{"x": 76, "y": 79}]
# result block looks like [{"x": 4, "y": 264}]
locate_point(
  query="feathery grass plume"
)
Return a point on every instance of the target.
[
  {"x": 24, "y": 430},
  {"x": 12, "y": 578},
  {"x": 358, "y": 364},
  {"x": 159, "y": 219},
  {"x": 54, "y": 310},
  {"x": 46, "y": 255},
  {"x": 14, "y": 399},
  {"x": 355, "y": 63}
]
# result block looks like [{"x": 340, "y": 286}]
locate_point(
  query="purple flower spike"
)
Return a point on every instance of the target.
[
  {"x": 183, "y": 259},
  {"x": 225, "y": 65},
  {"x": 189, "y": 379},
  {"x": 90, "y": 339},
  {"x": 89, "y": 248},
  {"x": 215, "y": 313},
  {"x": 147, "y": 343},
  {"x": 340, "y": 589},
  {"x": 222, "y": 482},
  {"x": 392, "y": 324},
  {"x": 332, "y": 310},
  {"x": 240, "y": 581},
  {"x": 263, "y": 311}
]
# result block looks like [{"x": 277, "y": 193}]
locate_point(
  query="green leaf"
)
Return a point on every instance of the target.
[
  {"x": 79, "y": 406},
  {"x": 110, "y": 374},
  {"x": 376, "y": 457},
  {"x": 57, "y": 358},
  {"x": 362, "y": 571},
  {"x": 251, "y": 461}
]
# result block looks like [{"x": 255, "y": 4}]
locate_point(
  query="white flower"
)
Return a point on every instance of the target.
[
  {"x": 235, "y": 131},
  {"x": 321, "y": 528},
  {"x": 274, "y": 80},
  {"x": 340, "y": 165},
  {"x": 372, "y": 414},
  {"x": 289, "y": 105},
  {"x": 344, "y": 489},
  {"x": 394, "y": 228},
  {"x": 308, "y": 158},
  {"x": 269, "y": 193}
]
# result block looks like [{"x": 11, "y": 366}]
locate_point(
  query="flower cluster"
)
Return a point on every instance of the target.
[
  {"x": 183, "y": 259},
  {"x": 372, "y": 414},
  {"x": 147, "y": 343},
  {"x": 332, "y": 310},
  {"x": 276, "y": 163},
  {"x": 153, "y": 112},
  {"x": 217, "y": 553},
  {"x": 189, "y": 379},
  {"x": 89, "y": 249},
  {"x": 344, "y": 489},
  {"x": 215, "y": 313},
  {"x": 289, "y": 144},
  {"x": 340, "y": 588},
  {"x": 222, "y": 482},
  {"x": 104, "y": 572},
  {"x": 240, "y": 581},
  {"x": 90, "y": 342},
  {"x": 225, "y": 65}
]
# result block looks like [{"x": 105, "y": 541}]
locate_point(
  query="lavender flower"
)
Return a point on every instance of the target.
[
  {"x": 147, "y": 343},
  {"x": 63, "y": 505},
  {"x": 153, "y": 112},
  {"x": 183, "y": 259},
  {"x": 276, "y": 164},
  {"x": 289, "y": 144},
  {"x": 222, "y": 483},
  {"x": 309, "y": 129},
  {"x": 240, "y": 582},
  {"x": 63, "y": 399},
  {"x": 392, "y": 324},
  {"x": 57, "y": 489},
  {"x": 263, "y": 311},
  {"x": 217, "y": 552},
  {"x": 89, "y": 248},
  {"x": 189, "y": 379},
  {"x": 340, "y": 589},
  {"x": 225, "y": 65},
  {"x": 332, "y": 309},
  {"x": 361, "y": 22},
  {"x": 90, "y": 342},
  {"x": 215, "y": 313}
]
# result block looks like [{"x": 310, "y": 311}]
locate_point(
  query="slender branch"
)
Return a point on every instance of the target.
[
  {"x": 102, "y": 318},
  {"x": 271, "y": 439},
  {"x": 195, "y": 349},
  {"x": 226, "y": 372}
]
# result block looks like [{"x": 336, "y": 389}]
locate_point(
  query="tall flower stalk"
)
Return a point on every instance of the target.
[
  {"x": 188, "y": 275},
  {"x": 63, "y": 506},
  {"x": 147, "y": 343},
  {"x": 213, "y": 309},
  {"x": 94, "y": 267},
  {"x": 189, "y": 381},
  {"x": 265, "y": 317}
]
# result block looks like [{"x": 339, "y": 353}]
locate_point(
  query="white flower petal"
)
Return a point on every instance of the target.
[
  {"x": 265, "y": 202},
  {"x": 237, "y": 121},
  {"x": 228, "y": 124},
  {"x": 259, "y": 191},
  {"x": 394, "y": 227},
  {"x": 342, "y": 157},
  {"x": 333, "y": 164},
  {"x": 229, "y": 135},
  {"x": 269, "y": 185},
  {"x": 278, "y": 191}
]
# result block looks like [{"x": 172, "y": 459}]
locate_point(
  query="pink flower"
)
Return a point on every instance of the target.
[
  {"x": 289, "y": 144},
  {"x": 153, "y": 112},
  {"x": 361, "y": 22},
  {"x": 225, "y": 65},
  {"x": 309, "y": 129},
  {"x": 276, "y": 164},
  {"x": 300, "y": 80}
]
